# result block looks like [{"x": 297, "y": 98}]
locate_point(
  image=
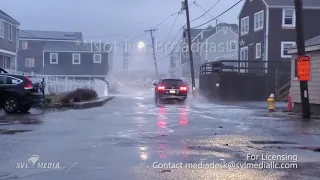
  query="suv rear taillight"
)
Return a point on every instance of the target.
[
  {"x": 183, "y": 88},
  {"x": 29, "y": 84},
  {"x": 161, "y": 88}
]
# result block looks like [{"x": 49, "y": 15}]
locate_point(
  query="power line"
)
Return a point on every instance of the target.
[
  {"x": 206, "y": 11},
  {"x": 173, "y": 41},
  {"x": 178, "y": 12},
  {"x": 174, "y": 22},
  {"x": 219, "y": 14},
  {"x": 177, "y": 35},
  {"x": 131, "y": 39},
  {"x": 166, "y": 19},
  {"x": 172, "y": 49}
]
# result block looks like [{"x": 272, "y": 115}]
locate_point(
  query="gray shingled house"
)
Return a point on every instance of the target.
[
  {"x": 8, "y": 41},
  {"x": 198, "y": 36},
  {"x": 312, "y": 50},
  {"x": 267, "y": 30},
  {"x": 62, "y": 54}
]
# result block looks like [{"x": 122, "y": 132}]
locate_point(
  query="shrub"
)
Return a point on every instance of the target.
[{"x": 79, "y": 95}]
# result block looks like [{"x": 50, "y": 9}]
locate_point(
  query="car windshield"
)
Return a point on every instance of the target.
[{"x": 172, "y": 82}]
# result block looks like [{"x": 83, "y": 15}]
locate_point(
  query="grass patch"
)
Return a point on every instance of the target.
[
  {"x": 79, "y": 95},
  {"x": 67, "y": 99}
]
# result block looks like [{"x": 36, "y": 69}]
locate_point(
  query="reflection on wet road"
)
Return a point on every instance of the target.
[{"x": 130, "y": 136}]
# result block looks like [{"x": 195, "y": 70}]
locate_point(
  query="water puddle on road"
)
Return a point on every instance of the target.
[
  {"x": 272, "y": 142},
  {"x": 20, "y": 119},
  {"x": 12, "y": 131}
]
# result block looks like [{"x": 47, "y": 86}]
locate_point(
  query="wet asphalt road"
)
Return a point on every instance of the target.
[{"x": 130, "y": 137}]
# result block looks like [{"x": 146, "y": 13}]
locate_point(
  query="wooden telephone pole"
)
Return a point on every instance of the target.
[
  {"x": 154, "y": 51},
  {"x": 186, "y": 7},
  {"x": 301, "y": 52}
]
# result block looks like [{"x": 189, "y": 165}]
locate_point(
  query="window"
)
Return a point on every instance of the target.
[
  {"x": 1, "y": 28},
  {"x": 29, "y": 62},
  {"x": 258, "y": 20},
  {"x": 284, "y": 48},
  {"x": 10, "y": 32},
  {"x": 97, "y": 58},
  {"x": 2, "y": 80},
  {"x": 288, "y": 18},
  {"x": 76, "y": 58},
  {"x": 54, "y": 58},
  {"x": 24, "y": 44},
  {"x": 258, "y": 50},
  {"x": 233, "y": 46},
  {"x": 7, "y": 80},
  {"x": 243, "y": 57},
  {"x": 12, "y": 80},
  {"x": 172, "y": 82},
  {"x": 245, "y": 25}
]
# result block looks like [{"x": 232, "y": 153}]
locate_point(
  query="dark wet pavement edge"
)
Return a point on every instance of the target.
[{"x": 91, "y": 104}]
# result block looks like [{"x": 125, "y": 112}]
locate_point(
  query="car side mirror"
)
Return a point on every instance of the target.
[{"x": 155, "y": 84}]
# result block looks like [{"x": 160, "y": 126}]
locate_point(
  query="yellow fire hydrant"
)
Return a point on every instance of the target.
[{"x": 270, "y": 100}]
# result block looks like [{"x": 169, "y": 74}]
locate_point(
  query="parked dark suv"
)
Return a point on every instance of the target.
[
  {"x": 19, "y": 93},
  {"x": 171, "y": 89}
]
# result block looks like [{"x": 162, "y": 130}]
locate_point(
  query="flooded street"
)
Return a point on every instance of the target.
[{"x": 132, "y": 138}]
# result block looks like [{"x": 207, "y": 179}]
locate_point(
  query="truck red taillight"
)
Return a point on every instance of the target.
[
  {"x": 160, "y": 88},
  {"x": 29, "y": 84},
  {"x": 183, "y": 88}
]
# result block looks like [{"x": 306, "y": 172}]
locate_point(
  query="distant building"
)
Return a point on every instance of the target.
[
  {"x": 62, "y": 54},
  {"x": 8, "y": 41},
  {"x": 222, "y": 45},
  {"x": 182, "y": 66}
]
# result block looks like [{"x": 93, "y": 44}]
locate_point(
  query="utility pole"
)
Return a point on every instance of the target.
[
  {"x": 301, "y": 52},
  {"x": 154, "y": 51},
  {"x": 125, "y": 60},
  {"x": 186, "y": 7}
]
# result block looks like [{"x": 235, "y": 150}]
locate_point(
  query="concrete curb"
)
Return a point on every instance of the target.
[
  {"x": 91, "y": 104},
  {"x": 292, "y": 114}
]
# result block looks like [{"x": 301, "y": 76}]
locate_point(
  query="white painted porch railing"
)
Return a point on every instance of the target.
[
  {"x": 59, "y": 85},
  {"x": 65, "y": 84}
]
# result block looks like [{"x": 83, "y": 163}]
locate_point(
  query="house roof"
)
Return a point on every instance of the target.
[
  {"x": 309, "y": 3},
  {"x": 2, "y": 13},
  {"x": 50, "y": 35},
  {"x": 312, "y": 44},
  {"x": 313, "y": 41},
  {"x": 234, "y": 27},
  {"x": 74, "y": 46},
  {"x": 210, "y": 30}
]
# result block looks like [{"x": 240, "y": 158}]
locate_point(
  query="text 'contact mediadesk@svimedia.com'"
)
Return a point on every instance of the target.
[{"x": 252, "y": 161}]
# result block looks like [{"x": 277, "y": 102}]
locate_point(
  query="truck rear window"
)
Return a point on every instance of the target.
[{"x": 172, "y": 82}]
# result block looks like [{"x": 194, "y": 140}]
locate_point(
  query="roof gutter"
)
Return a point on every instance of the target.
[
  {"x": 9, "y": 19},
  {"x": 308, "y": 49},
  {"x": 304, "y": 7}
]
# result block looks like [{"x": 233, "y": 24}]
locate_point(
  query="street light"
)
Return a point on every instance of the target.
[{"x": 141, "y": 46}]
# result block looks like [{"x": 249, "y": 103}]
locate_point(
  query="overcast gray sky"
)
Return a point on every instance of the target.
[{"x": 116, "y": 20}]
